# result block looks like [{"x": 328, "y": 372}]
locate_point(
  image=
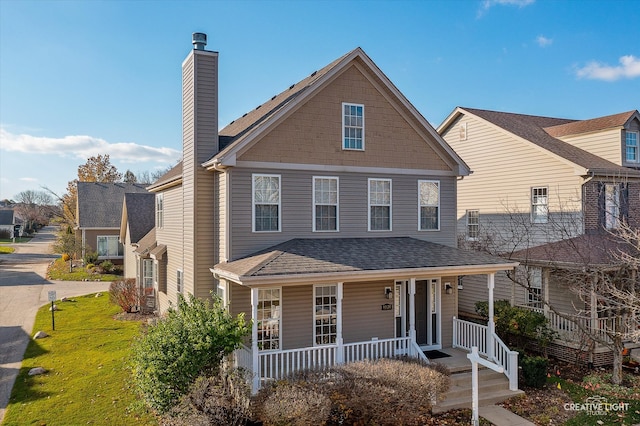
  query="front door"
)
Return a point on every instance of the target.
[{"x": 428, "y": 321}]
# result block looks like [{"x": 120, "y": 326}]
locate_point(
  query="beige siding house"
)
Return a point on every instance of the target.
[
  {"x": 327, "y": 215},
  {"x": 536, "y": 181}
]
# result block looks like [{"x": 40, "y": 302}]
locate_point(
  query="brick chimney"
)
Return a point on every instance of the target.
[{"x": 199, "y": 143}]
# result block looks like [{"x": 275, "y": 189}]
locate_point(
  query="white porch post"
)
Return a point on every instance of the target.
[
  {"x": 254, "y": 340},
  {"x": 594, "y": 305},
  {"x": 546, "y": 276},
  {"x": 491, "y": 324},
  {"x": 339, "y": 342},
  {"x": 412, "y": 309}
]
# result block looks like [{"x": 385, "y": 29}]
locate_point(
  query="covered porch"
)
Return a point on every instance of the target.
[{"x": 319, "y": 303}]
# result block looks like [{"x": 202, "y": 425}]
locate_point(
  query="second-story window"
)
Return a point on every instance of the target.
[
  {"x": 379, "y": 204},
  {"x": 159, "y": 210},
  {"x": 325, "y": 203},
  {"x": 353, "y": 126},
  {"x": 631, "y": 147},
  {"x": 429, "y": 205},
  {"x": 539, "y": 204},
  {"x": 611, "y": 206},
  {"x": 266, "y": 203},
  {"x": 473, "y": 224}
]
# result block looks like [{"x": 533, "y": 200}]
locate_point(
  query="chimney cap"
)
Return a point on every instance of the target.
[{"x": 199, "y": 40}]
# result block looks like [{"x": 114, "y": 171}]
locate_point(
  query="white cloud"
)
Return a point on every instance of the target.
[
  {"x": 84, "y": 147},
  {"x": 629, "y": 68},
  {"x": 28, "y": 179},
  {"x": 543, "y": 41},
  {"x": 488, "y": 4}
]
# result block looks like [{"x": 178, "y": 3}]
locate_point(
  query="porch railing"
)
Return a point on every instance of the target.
[
  {"x": 468, "y": 334},
  {"x": 274, "y": 365}
]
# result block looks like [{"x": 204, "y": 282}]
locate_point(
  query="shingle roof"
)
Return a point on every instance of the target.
[
  {"x": 582, "y": 251},
  {"x": 140, "y": 214},
  {"x": 6, "y": 216},
  {"x": 100, "y": 204},
  {"x": 586, "y": 126},
  {"x": 532, "y": 128},
  {"x": 147, "y": 243},
  {"x": 330, "y": 255},
  {"x": 173, "y": 174}
]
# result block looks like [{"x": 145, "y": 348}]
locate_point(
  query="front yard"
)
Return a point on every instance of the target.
[{"x": 59, "y": 270}]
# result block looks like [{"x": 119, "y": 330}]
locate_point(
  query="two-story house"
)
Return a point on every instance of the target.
[
  {"x": 99, "y": 212},
  {"x": 326, "y": 214},
  {"x": 546, "y": 192}
]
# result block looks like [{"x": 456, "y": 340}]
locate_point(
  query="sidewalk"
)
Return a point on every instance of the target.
[{"x": 23, "y": 290}]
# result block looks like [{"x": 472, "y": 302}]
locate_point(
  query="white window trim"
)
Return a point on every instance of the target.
[
  {"x": 253, "y": 202},
  {"x": 313, "y": 189},
  {"x": 544, "y": 219},
  {"x": 612, "y": 206},
  {"x": 420, "y": 205},
  {"x": 279, "y": 319},
  {"x": 535, "y": 283},
  {"x": 108, "y": 256},
  {"x": 369, "y": 205},
  {"x": 313, "y": 303},
  {"x": 343, "y": 126},
  {"x": 637, "y": 147},
  {"x": 477, "y": 224},
  {"x": 160, "y": 210},
  {"x": 179, "y": 281}
]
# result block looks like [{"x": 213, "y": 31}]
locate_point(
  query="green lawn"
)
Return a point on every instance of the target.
[
  {"x": 59, "y": 270},
  {"x": 18, "y": 240},
  {"x": 86, "y": 358}
]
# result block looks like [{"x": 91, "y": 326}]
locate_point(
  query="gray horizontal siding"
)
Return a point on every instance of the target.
[{"x": 297, "y": 205}]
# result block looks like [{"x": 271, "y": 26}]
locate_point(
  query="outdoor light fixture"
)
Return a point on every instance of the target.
[
  {"x": 388, "y": 293},
  {"x": 447, "y": 288}
]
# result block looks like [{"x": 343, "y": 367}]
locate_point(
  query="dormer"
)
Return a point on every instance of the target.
[{"x": 615, "y": 137}]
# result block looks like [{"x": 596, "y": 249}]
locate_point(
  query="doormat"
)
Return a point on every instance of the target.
[{"x": 435, "y": 354}]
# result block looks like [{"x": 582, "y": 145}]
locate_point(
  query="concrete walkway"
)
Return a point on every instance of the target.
[
  {"x": 24, "y": 289},
  {"x": 502, "y": 417}
]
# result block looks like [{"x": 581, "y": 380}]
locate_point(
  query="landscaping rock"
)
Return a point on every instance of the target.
[
  {"x": 36, "y": 371},
  {"x": 54, "y": 308},
  {"x": 40, "y": 335},
  {"x": 98, "y": 294}
]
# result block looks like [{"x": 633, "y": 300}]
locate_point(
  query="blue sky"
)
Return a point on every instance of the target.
[{"x": 80, "y": 78}]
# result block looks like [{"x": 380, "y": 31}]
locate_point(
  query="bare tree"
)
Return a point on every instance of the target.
[{"x": 35, "y": 207}]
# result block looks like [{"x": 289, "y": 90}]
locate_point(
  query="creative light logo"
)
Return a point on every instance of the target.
[{"x": 597, "y": 406}]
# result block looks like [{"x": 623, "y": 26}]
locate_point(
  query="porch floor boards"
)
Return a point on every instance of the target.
[{"x": 492, "y": 387}]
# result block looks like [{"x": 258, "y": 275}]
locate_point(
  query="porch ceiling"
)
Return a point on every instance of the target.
[{"x": 331, "y": 258}]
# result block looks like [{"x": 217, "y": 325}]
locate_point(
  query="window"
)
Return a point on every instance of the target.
[
  {"x": 611, "y": 206},
  {"x": 109, "y": 246},
  {"x": 379, "y": 204},
  {"x": 539, "y": 205},
  {"x": 268, "y": 319},
  {"x": 266, "y": 203},
  {"x": 353, "y": 126},
  {"x": 473, "y": 224},
  {"x": 534, "y": 295},
  {"x": 148, "y": 276},
  {"x": 429, "y": 205},
  {"x": 631, "y": 147},
  {"x": 325, "y": 204},
  {"x": 159, "y": 210},
  {"x": 179, "y": 281},
  {"x": 325, "y": 314}
]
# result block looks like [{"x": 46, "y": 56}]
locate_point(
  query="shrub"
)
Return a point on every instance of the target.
[
  {"x": 107, "y": 266},
  {"x": 519, "y": 327},
  {"x": 222, "y": 399},
  {"x": 66, "y": 257},
  {"x": 90, "y": 257},
  {"x": 534, "y": 370},
  {"x": 125, "y": 293},
  {"x": 5, "y": 234},
  {"x": 362, "y": 392},
  {"x": 189, "y": 341}
]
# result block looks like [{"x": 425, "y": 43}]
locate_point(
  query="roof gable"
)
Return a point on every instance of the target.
[
  {"x": 241, "y": 134},
  {"x": 6, "y": 216},
  {"x": 138, "y": 214},
  {"x": 596, "y": 124},
  {"x": 100, "y": 203}
]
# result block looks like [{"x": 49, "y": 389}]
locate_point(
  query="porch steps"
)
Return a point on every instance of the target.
[{"x": 492, "y": 388}]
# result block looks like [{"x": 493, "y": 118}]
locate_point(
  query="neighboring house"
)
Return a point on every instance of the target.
[
  {"x": 99, "y": 212},
  {"x": 11, "y": 222},
  {"x": 538, "y": 181},
  {"x": 138, "y": 221},
  {"x": 327, "y": 215}
]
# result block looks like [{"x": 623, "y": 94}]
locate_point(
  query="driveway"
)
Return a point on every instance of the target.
[{"x": 24, "y": 289}]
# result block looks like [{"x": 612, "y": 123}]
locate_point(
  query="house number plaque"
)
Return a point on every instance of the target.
[{"x": 387, "y": 307}]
